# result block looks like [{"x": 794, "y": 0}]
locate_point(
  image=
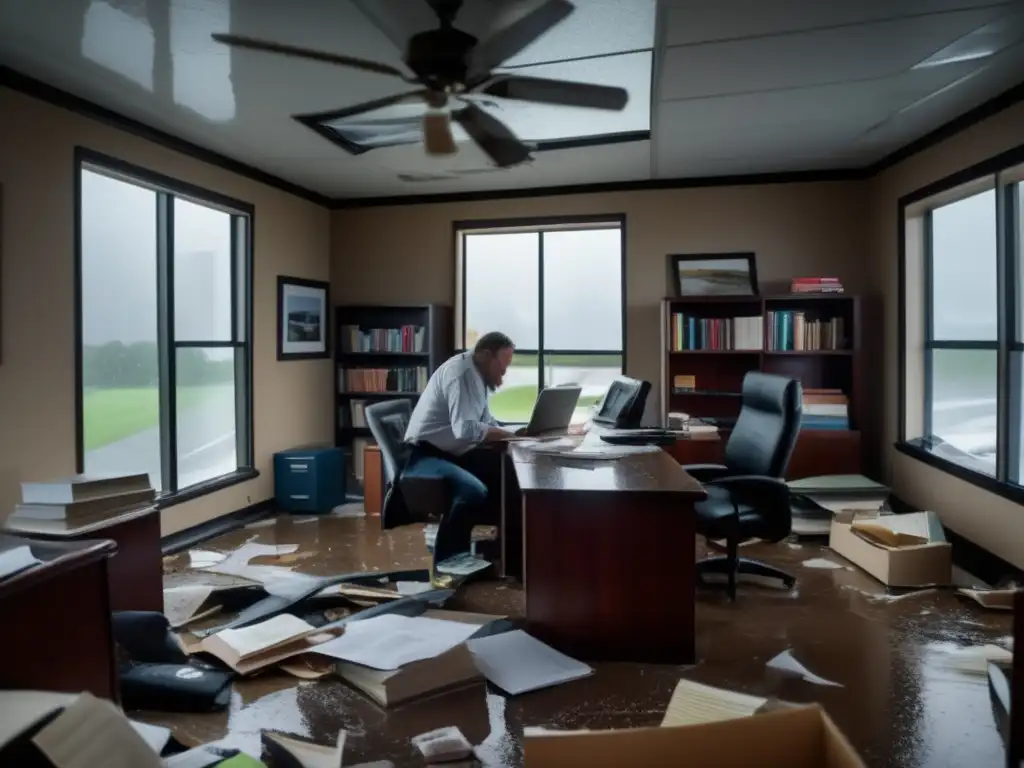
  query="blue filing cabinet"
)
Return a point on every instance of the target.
[{"x": 310, "y": 479}]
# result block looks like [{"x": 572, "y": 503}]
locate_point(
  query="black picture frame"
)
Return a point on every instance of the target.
[
  {"x": 744, "y": 283},
  {"x": 312, "y": 292}
]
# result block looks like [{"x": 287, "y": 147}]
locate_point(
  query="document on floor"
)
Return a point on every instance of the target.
[
  {"x": 693, "y": 703},
  {"x": 390, "y": 641},
  {"x": 182, "y": 604},
  {"x": 462, "y": 565},
  {"x": 786, "y": 662},
  {"x": 518, "y": 663},
  {"x": 973, "y": 660}
]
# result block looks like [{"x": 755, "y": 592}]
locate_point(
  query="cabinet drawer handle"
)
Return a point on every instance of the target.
[
  {"x": 299, "y": 467},
  {"x": 299, "y": 496}
]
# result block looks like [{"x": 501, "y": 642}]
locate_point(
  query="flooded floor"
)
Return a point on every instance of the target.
[{"x": 897, "y": 702}]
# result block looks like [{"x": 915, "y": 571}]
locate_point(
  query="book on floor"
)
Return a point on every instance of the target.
[
  {"x": 449, "y": 671},
  {"x": 518, "y": 663},
  {"x": 294, "y": 752},
  {"x": 69, "y": 490},
  {"x": 250, "y": 649}
]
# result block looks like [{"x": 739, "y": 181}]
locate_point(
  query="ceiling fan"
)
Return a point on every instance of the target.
[{"x": 455, "y": 72}]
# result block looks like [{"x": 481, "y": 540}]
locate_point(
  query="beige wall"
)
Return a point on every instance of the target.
[
  {"x": 400, "y": 254},
  {"x": 37, "y": 390},
  {"x": 986, "y": 519}
]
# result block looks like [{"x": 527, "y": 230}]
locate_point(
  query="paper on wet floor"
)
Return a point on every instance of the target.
[
  {"x": 786, "y": 662},
  {"x": 390, "y": 641},
  {"x": 694, "y": 703},
  {"x": 993, "y": 599},
  {"x": 406, "y": 588},
  {"x": 822, "y": 563},
  {"x": 974, "y": 660},
  {"x": 517, "y": 662},
  {"x": 181, "y": 604},
  {"x": 204, "y": 558}
]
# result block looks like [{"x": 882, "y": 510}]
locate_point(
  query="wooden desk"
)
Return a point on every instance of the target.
[
  {"x": 57, "y": 633},
  {"x": 136, "y": 571},
  {"x": 608, "y": 554}
]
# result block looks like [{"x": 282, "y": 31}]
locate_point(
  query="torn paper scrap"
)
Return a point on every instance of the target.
[
  {"x": 822, "y": 563},
  {"x": 443, "y": 745},
  {"x": 974, "y": 659},
  {"x": 787, "y": 663},
  {"x": 182, "y": 604},
  {"x": 204, "y": 558},
  {"x": 406, "y": 588},
  {"x": 693, "y": 703},
  {"x": 993, "y": 599}
]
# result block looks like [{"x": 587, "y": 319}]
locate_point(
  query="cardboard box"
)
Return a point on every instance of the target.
[
  {"x": 803, "y": 737},
  {"x": 917, "y": 554}
]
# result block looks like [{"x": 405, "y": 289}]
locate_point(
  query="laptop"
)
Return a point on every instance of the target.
[{"x": 553, "y": 410}]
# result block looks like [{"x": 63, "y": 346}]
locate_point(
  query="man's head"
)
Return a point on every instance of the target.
[{"x": 493, "y": 354}]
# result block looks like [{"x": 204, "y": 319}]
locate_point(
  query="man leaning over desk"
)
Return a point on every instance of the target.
[{"x": 447, "y": 435}]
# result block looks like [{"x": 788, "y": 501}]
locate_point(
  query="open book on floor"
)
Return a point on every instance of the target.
[
  {"x": 258, "y": 646},
  {"x": 294, "y": 752}
]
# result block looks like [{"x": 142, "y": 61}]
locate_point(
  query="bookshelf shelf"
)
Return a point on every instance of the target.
[
  {"x": 814, "y": 338},
  {"x": 382, "y": 348}
]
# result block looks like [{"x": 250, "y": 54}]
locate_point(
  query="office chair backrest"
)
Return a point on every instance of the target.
[
  {"x": 387, "y": 422},
  {"x": 762, "y": 440}
]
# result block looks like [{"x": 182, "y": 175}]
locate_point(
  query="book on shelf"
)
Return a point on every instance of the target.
[
  {"x": 691, "y": 333},
  {"x": 791, "y": 331},
  {"x": 359, "y": 446},
  {"x": 407, "y": 338},
  {"x": 410, "y": 379},
  {"x": 352, "y": 414},
  {"x": 825, "y": 409},
  {"x": 815, "y": 285}
]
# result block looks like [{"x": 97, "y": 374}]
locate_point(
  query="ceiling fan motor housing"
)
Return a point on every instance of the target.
[{"x": 439, "y": 56}]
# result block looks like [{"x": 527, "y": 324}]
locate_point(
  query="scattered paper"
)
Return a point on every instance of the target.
[
  {"x": 443, "y": 745},
  {"x": 182, "y": 604},
  {"x": 204, "y": 558},
  {"x": 821, "y": 562},
  {"x": 17, "y": 559},
  {"x": 200, "y": 757},
  {"x": 390, "y": 641},
  {"x": 974, "y": 660},
  {"x": 517, "y": 662},
  {"x": 236, "y": 563},
  {"x": 406, "y": 588},
  {"x": 355, "y": 509},
  {"x": 993, "y": 599},
  {"x": 693, "y": 703},
  {"x": 787, "y": 663},
  {"x": 462, "y": 565},
  {"x": 838, "y": 504},
  {"x": 94, "y": 732},
  {"x": 268, "y": 634},
  {"x": 155, "y": 735}
]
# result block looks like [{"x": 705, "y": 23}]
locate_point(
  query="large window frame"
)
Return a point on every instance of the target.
[
  {"x": 242, "y": 215},
  {"x": 540, "y": 225},
  {"x": 1003, "y": 174}
]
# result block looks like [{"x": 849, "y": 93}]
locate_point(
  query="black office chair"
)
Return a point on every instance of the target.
[
  {"x": 419, "y": 498},
  {"x": 747, "y": 496}
]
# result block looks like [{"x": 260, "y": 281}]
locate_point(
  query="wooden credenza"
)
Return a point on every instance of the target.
[{"x": 817, "y": 452}]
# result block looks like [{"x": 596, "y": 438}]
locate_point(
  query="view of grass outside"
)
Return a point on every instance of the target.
[
  {"x": 514, "y": 401},
  {"x": 115, "y": 413}
]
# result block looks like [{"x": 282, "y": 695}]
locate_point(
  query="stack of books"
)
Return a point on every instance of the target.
[
  {"x": 63, "y": 505},
  {"x": 816, "y": 285},
  {"x": 691, "y": 333},
  {"x": 825, "y": 409}
]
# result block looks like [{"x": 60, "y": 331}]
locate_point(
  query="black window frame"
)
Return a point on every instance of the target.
[
  {"x": 243, "y": 220},
  {"x": 540, "y": 225},
  {"x": 1010, "y": 339}
]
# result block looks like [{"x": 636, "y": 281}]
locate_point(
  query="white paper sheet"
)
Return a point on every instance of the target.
[
  {"x": 204, "y": 558},
  {"x": 390, "y": 642},
  {"x": 413, "y": 587},
  {"x": 236, "y": 563},
  {"x": 693, "y": 703},
  {"x": 17, "y": 559},
  {"x": 786, "y": 662},
  {"x": 155, "y": 735},
  {"x": 974, "y": 660},
  {"x": 199, "y": 757},
  {"x": 256, "y": 638},
  {"x": 182, "y": 603},
  {"x": 518, "y": 663},
  {"x": 822, "y": 563}
]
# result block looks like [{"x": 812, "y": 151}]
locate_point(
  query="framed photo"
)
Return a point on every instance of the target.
[
  {"x": 303, "y": 318},
  {"x": 714, "y": 274}
]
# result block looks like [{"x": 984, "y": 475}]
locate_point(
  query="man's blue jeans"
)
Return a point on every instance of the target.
[{"x": 474, "y": 481}]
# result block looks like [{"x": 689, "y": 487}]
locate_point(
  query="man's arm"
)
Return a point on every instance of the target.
[{"x": 465, "y": 413}]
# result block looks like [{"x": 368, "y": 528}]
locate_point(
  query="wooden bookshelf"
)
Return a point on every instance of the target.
[
  {"x": 368, "y": 339},
  {"x": 814, "y": 338}
]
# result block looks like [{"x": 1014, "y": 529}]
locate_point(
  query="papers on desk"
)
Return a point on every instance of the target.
[
  {"x": 390, "y": 641},
  {"x": 16, "y": 559},
  {"x": 591, "y": 446}
]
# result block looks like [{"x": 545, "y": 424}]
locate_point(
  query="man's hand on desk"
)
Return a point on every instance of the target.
[{"x": 579, "y": 429}]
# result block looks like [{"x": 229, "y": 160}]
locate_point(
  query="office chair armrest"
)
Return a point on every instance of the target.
[{"x": 706, "y": 473}]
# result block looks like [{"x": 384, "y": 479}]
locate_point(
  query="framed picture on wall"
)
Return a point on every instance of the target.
[
  {"x": 303, "y": 318},
  {"x": 714, "y": 274}
]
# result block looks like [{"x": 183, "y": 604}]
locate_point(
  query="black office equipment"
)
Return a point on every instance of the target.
[
  {"x": 623, "y": 406},
  {"x": 747, "y": 497},
  {"x": 641, "y": 437}
]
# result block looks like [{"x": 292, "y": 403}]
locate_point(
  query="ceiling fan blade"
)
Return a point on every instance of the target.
[
  {"x": 511, "y": 39},
  {"x": 437, "y": 134},
  {"x": 303, "y": 53},
  {"x": 562, "y": 92},
  {"x": 493, "y": 136}
]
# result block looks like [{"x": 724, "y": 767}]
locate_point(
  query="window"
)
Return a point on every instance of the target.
[
  {"x": 165, "y": 328},
  {"x": 962, "y": 334},
  {"x": 558, "y": 291}
]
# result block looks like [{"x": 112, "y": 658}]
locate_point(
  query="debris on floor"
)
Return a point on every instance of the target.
[{"x": 786, "y": 662}]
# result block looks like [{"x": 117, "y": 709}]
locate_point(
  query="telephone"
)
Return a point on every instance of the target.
[{"x": 623, "y": 406}]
